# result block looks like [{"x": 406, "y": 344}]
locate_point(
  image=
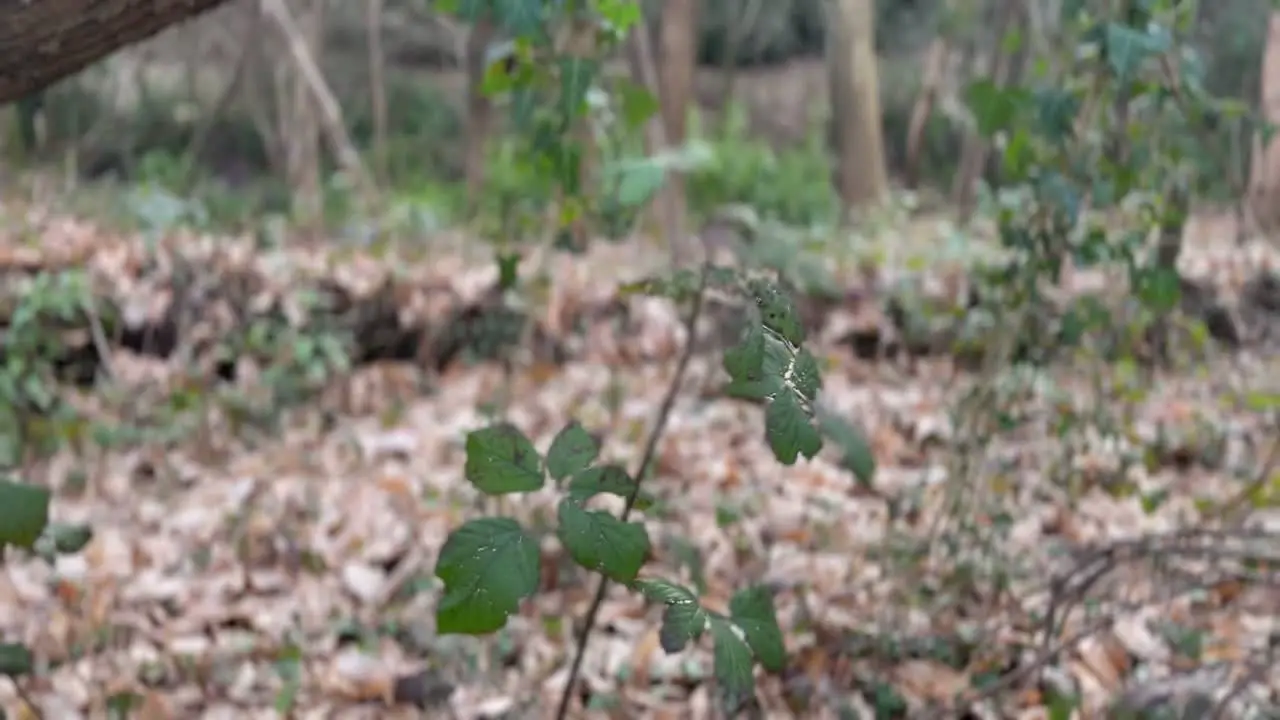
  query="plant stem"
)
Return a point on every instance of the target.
[{"x": 646, "y": 459}]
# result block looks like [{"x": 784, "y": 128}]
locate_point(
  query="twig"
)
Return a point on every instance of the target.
[
  {"x": 650, "y": 450},
  {"x": 1038, "y": 663},
  {"x": 330, "y": 112}
]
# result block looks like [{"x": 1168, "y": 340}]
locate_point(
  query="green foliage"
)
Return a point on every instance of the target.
[
  {"x": 1140, "y": 86},
  {"x": 489, "y": 565},
  {"x": 791, "y": 185},
  {"x": 24, "y": 513}
]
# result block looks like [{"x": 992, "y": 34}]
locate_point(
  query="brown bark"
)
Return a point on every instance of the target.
[
  {"x": 45, "y": 41},
  {"x": 1264, "y": 171},
  {"x": 479, "y": 108},
  {"x": 858, "y": 137},
  {"x": 934, "y": 64}
]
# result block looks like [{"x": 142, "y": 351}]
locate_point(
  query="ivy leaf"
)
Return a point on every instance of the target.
[
  {"x": 24, "y": 513},
  {"x": 612, "y": 479},
  {"x": 683, "y": 621},
  {"x": 501, "y": 460},
  {"x": 601, "y": 542},
  {"x": 752, "y": 609},
  {"x": 805, "y": 375},
  {"x": 488, "y": 566},
  {"x": 572, "y": 450},
  {"x": 732, "y": 666},
  {"x": 856, "y": 455},
  {"x": 789, "y": 431}
]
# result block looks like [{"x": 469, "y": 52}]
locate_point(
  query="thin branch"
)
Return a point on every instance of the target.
[
  {"x": 330, "y": 111},
  {"x": 646, "y": 459}
]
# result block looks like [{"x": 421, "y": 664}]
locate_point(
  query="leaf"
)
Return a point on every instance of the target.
[
  {"x": 24, "y": 512},
  {"x": 1127, "y": 47},
  {"x": 745, "y": 361},
  {"x": 683, "y": 621},
  {"x": 637, "y": 181},
  {"x": 612, "y": 479},
  {"x": 752, "y": 609},
  {"x": 805, "y": 375},
  {"x": 789, "y": 431},
  {"x": 777, "y": 311},
  {"x": 635, "y": 103},
  {"x": 732, "y": 666},
  {"x": 994, "y": 108},
  {"x": 501, "y": 460},
  {"x": 69, "y": 538},
  {"x": 572, "y": 450},
  {"x": 576, "y": 77},
  {"x": 856, "y": 455},
  {"x": 601, "y": 542},
  {"x": 488, "y": 566},
  {"x": 520, "y": 17},
  {"x": 15, "y": 659},
  {"x": 508, "y": 269}
]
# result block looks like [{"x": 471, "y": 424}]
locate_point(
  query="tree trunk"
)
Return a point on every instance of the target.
[
  {"x": 1264, "y": 171},
  {"x": 676, "y": 60},
  {"x": 973, "y": 153},
  {"x": 858, "y": 138},
  {"x": 934, "y": 66},
  {"x": 479, "y": 108},
  {"x": 42, "y": 42}
]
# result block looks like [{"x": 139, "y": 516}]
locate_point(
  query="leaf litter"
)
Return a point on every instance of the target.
[{"x": 290, "y": 573}]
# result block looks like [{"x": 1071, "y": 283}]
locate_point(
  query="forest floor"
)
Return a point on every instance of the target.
[{"x": 237, "y": 572}]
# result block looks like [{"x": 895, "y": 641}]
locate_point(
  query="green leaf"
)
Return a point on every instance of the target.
[
  {"x": 805, "y": 376},
  {"x": 1160, "y": 289},
  {"x": 573, "y": 450},
  {"x": 15, "y": 659},
  {"x": 994, "y": 108},
  {"x": 601, "y": 542},
  {"x": 612, "y": 479},
  {"x": 576, "y": 77},
  {"x": 1127, "y": 47},
  {"x": 856, "y": 455},
  {"x": 752, "y": 609},
  {"x": 24, "y": 512},
  {"x": 789, "y": 431},
  {"x": 732, "y": 666},
  {"x": 637, "y": 181},
  {"x": 508, "y": 269},
  {"x": 488, "y": 566},
  {"x": 501, "y": 460},
  {"x": 522, "y": 18},
  {"x": 69, "y": 538},
  {"x": 635, "y": 103},
  {"x": 745, "y": 361},
  {"x": 683, "y": 621},
  {"x": 777, "y": 311}
]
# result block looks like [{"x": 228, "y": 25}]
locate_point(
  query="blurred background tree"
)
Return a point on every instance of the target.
[{"x": 314, "y": 107}]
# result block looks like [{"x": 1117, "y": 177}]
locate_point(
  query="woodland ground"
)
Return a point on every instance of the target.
[{"x": 250, "y": 574}]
